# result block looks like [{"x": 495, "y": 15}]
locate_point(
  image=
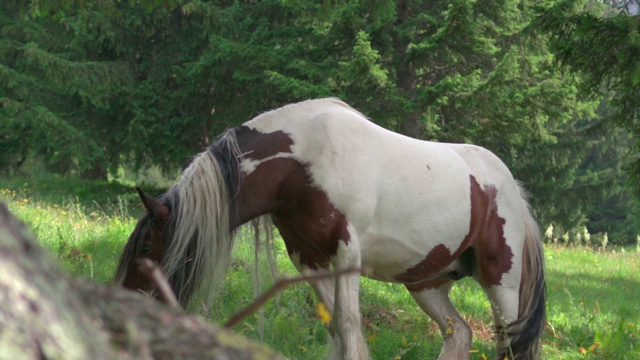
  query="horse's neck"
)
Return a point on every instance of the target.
[
  {"x": 265, "y": 167},
  {"x": 270, "y": 172}
]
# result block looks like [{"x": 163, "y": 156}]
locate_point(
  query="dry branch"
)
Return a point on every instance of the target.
[
  {"x": 280, "y": 286},
  {"x": 152, "y": 271}
]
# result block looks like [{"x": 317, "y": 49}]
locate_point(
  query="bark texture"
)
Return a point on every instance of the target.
[{"x": 47, "y": 314}]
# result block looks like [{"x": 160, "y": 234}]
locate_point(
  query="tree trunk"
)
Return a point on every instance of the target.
[
  {"x": 46, "y": 314},
  {"x": 411, "y": 124},
  {"x": 96, "y": 172}
]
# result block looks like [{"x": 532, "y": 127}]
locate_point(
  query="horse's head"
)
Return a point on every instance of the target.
[{"x": 146, "y": 241}]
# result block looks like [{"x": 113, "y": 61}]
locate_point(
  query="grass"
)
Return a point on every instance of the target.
[
  {"x": 593, "y": 295},
  {"x": 593, "y": 298}
]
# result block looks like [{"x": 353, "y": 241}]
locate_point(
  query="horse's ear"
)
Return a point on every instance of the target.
[{"x": 153, "y": 206}]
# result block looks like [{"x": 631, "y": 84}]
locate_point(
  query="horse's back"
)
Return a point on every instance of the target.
[
  {"x": 485, "y": 166},
  {"x": 366, "y": 170}
]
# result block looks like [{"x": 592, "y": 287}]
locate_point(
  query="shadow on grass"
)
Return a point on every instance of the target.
[{"x": 106, "y": 197}]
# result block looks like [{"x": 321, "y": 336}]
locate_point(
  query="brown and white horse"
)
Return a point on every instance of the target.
[{"x": 344, "y": 192}]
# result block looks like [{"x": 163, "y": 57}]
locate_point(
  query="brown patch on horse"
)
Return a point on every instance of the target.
[
  {"x": 257, "y": 192},
  {"x": 432, "y": 272},
  {"x": 485, "y": 240},
  {"x": 492, "y": 254},
  {"x": 309, "y": 223},
  {"x": 258, "y": 146}
]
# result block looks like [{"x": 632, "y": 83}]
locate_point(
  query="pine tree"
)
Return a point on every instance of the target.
[
  {"x": 603, "y": 45},
  {"x": 57, "y": 94}
]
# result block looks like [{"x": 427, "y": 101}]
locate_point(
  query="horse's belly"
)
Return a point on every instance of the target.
[
  {"x": 385, "y": 258},
  {"x": 382, "y": 258}
]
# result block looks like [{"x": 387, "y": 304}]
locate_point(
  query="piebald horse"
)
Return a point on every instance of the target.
[{"x": 343, "y": 193}]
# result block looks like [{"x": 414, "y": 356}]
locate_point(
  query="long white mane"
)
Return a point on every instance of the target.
[{"x": 201, "y": 216}]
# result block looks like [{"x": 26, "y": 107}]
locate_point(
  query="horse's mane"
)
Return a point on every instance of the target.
[{"x": 199, "y": 235}]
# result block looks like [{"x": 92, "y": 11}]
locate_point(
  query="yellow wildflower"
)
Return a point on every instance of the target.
[
  {"x": 450, "y": 328},
  {"x": 323, "y": 314}
]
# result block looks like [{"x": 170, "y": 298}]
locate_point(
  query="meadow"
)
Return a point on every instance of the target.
[{"x": 593, "y": 294}]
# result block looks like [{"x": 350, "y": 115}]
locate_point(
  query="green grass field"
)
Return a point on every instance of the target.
[{"x": 593, "y": 296}]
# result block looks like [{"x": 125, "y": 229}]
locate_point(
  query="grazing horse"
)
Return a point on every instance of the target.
[{"x": 344, "y": 193}]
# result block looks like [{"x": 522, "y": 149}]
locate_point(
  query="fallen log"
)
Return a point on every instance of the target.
[{"x": 47, "y": 314}]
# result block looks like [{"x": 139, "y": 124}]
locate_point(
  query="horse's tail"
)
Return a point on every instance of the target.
[
  {"x": 200, "y": 235},
  {"x": 525, "y": 333}
]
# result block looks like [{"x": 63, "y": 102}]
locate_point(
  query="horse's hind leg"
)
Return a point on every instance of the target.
[
  {"x": 516, "y": 331},
  {"x": 455, "y": 330},
  {"x": 504, "y": 303},
  {"x": 499, "y": 272}
]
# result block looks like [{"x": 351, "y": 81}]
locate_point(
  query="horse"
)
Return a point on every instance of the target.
[{"x": 345, "y": 193}]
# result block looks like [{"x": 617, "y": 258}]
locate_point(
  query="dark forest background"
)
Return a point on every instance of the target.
[{"x": 89, "y": 88}]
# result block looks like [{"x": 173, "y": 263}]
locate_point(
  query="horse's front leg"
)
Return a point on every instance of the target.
[
  {"x": 325, "y": 292},
  {"x": 347, "y": 320}
]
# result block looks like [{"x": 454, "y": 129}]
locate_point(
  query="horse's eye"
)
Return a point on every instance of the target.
[{"x": 145, "y": 248}]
